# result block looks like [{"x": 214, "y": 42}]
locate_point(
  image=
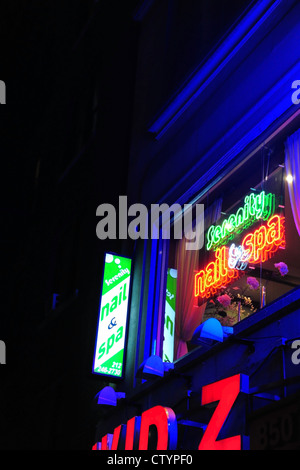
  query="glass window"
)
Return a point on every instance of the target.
[{"x": 250, "y": 256}]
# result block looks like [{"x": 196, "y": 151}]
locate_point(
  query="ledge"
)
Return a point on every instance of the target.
[{"x": 277, "y": 309}]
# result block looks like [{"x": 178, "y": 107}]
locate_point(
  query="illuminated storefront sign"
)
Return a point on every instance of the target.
[
  {"x": 256, "y": 207},
  {"x": 169, "y": 326},
  {"x": 135, "y": 435},
  {"x": 256, "y": 247},
  {"x": 225, "y": 392},
  {"x": 110, "y": 343}
]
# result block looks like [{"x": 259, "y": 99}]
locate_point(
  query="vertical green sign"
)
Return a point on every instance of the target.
[
  {"x": 111, "y": 334},
  {"x": 169, "y": 326}
]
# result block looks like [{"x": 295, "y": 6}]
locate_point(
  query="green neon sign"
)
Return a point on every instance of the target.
[
  {"x": 259, "y": 206},
  {"x": 110, "y": 342},
  {"x": 169, "y": 326}
]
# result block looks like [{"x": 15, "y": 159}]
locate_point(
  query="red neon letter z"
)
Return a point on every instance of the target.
[{"x": 225, "y": 392}]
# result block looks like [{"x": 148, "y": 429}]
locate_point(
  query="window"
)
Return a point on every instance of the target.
[{"x": 250, "y": 255}]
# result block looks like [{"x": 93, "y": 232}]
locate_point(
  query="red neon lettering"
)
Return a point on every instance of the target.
[
  {"x": 115, "y": 440},
  {"x": 116, "y": 437},
  {"x": 225, "y": 392},
  {"x": 260, "y": 237},
  {"x": 165, "y": 421},
  {"x": 110, "y": 441},
  {"x": 106, "y": 442},
  {"x": 260, "y": 245},
  {"x": 132, "y": 432},
  {"x": 216, "y": 274}
]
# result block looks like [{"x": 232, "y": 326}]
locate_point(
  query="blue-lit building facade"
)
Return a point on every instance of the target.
[{"x": 216, "y": 122}]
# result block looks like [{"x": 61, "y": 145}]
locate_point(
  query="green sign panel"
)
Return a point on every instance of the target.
[
  {"x": 169, "y": 326},
  {"x": 110, "y": 343}
]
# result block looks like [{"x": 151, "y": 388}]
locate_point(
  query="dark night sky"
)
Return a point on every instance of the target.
[
  {"x": 47, "y": 49},
  {"x": 39, "y": 43}
]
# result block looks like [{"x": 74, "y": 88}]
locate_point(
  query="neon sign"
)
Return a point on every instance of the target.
[
  {"x": 265, "y": 241},
  {"x": 225, "y": 392},
  {"x": 135, "y": 435},
  {"x": 110, "y": 343},
  {"x": 256, "y": 247},
  {"x": 256, "y": 207},
  {"x": 215, "y": 275}
]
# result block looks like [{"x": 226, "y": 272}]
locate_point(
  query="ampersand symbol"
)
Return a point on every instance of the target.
[{"x": 112, "y": 323}]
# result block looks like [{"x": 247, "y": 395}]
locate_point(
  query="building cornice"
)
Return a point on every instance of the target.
[{"x": 276, "y": 109}]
